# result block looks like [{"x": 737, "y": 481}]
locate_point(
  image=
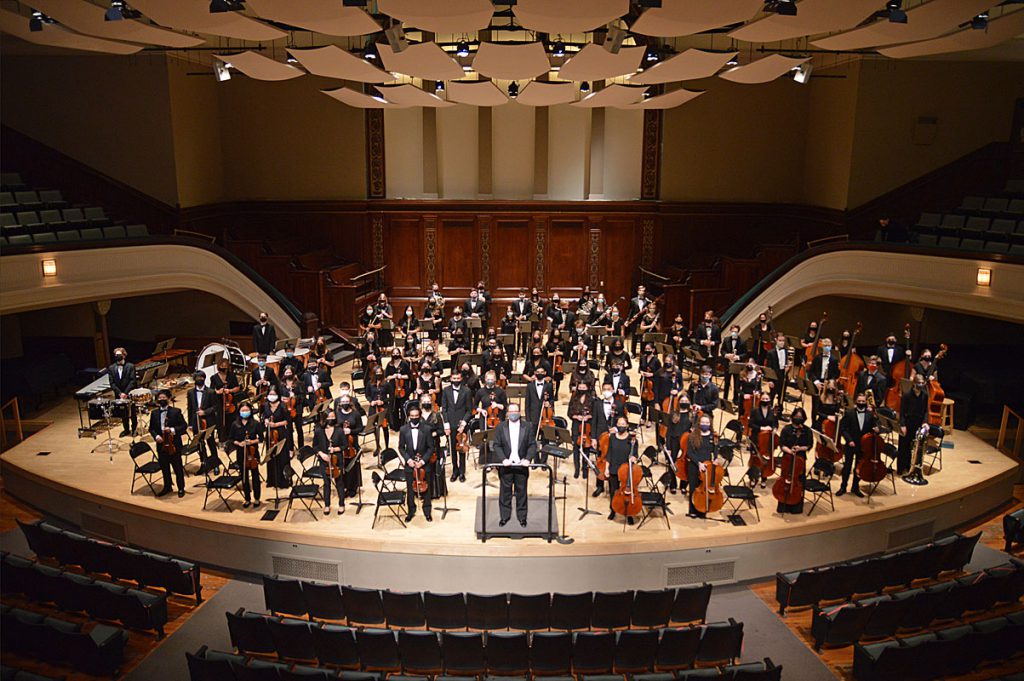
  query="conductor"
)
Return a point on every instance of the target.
[{"x": 514, "y": 444}]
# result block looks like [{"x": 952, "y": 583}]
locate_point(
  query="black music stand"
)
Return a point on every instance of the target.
[
  {"x": 585, "y": 509},
  {"x": 517, "y": 392},
  {"x": 473, "y": 326},
  {"x": 450, "y": 446},
  {"x": 482, "y": 440},
  {"x": 655, "y": 337},
  {"x": 358, "y": 503},
  {"x": 556, "y": 438},
  {"x": 608, "y": 341}
]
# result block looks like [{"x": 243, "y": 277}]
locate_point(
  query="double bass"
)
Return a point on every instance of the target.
[
  {"x": 871, "y": 467},
  {"x": 851, "y": 365},
  {"x": 627, "y": 500},
  {"x": 811, "y": 350},
  {"x": 789, "y": 488},
  {"x": 936, "y": 394},
  {"x": 899, "y": 370}
]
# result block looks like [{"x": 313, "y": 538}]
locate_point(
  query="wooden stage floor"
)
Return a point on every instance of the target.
[{"x": 72, "y": 481}]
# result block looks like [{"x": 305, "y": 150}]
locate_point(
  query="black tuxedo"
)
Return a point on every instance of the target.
[
  {"x": 701, "y": 334},
  {"x": 264, "y": 338},
  {"x": 623, "y": 383},
  {"x": 269, "y": 375},
  {"x": 705, "y": 397},
  {"x": 815, "y": 372},
  {"x": 424, "y": 447},
  {"x": 599, "y": 424},
  {"x": 773, "y": 362},
  {"x": 898, "y": 353},
  {"x": 455, "y": 408},
  {"x": 513, "y": 480},
  {"x": 535, "y": 403},
  {"x": 850, "y": 432},
  {"x": 210, "y": 406},
  {"x": 877, "y": 384},
  {"x": 174, "y": 419},
  {"x": 123, "y": 383},
  {"x": 637, "y": 305}
]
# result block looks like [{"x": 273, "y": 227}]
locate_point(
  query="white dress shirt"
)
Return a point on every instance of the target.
[{"x": 513, "y": 436}]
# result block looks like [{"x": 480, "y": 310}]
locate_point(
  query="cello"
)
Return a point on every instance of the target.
[
  {"x": 871, "y": 467},
  {"x": 851, "y": 365},
  {"x": 936, "y": 394},
  {"x": 762, "y": 453},
  {"x": 681, "y": 473},
  {"x": 627, "y": 499},
  {"x": 828, "y": 428},
  {"x": 602, "y": 457},
  {"x": 708, "y": 497},
  {"x": 669, "y": 405},
  {"x": 898, "y": 371},
  {"x": 789, "y": 488}
]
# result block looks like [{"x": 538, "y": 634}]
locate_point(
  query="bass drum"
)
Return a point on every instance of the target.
[{"x": 209, "y": 356}]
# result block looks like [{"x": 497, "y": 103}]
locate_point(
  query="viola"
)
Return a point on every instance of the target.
[
  {"x": 251, "y": 457},
  {"x": 627, "y": 500},
  {"x": 584, "y": 441},
  {"x": 493, "y": 414},
  {"x": 419, "y": 478},
  {"x": 351, "y": 450},
  {"x": 462, "y": 442},
  {"x": 400, "y": 391},
  {"x": 668, "y": 405},
  {"x": 167, "y": 446},
  {"x": 681, "y": 472},
  {"x": 333, "y": 469},
  {"x": 380, "y": 410},
  {"x": 709, "y": 496},
  {"x": 935, "y": 392},
  {"x": 229, "y": 403},
  {"x": 828, "y": 428},
  {"x": 547, "y": 415},
  {"x": 291, "y": 404},
  {"x": 602, "y": 456},
  {"x": 273, "y": 437},
  {"x": 321, "y": 394},
  {"x": 647, "y": 394},
  {"x": 898, "y": 371},
  {"x": 789, "y": 488},
  {"x": 871, "y": 467},
  {"x": 556, "y": 365},
  {"x": 763, "y": 454},
  {"x": 851, "y": 365}
]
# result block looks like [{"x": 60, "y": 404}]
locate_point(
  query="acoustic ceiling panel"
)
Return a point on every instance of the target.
[
  {"x": 688, "y": 65},
  {"x": 686, "y": 17},
  {"x": 53, "y": 35},
  {"x": 479, "y": 93},
  {"x": 410, "y": 95},
  {"x": 423, "y": 60},
  {"x": 666, "y": 101},
  {"x": 195, "y": 15},
  {"x": 440, "y": 16},
  {"x": 929, "y": 20},
  {"x": 539, "y": 93},
  {"x": 257, "y": 66},
  {"x": 1003, "y": 28},
  {"x": 88, "y": 18},
  {"x": 329, "y": 17},
  {"x": 813, "y": 17},
  {"x": 594, "y": 62},
  {"x": 763, "y": 70},
  {"x": 568, "y": 16},
  {"x": 511, "y": 62},
  {"x": 333, "y": 62},
  {"x": 613, "y": 95},
  {"x": 358, "y": 99}
]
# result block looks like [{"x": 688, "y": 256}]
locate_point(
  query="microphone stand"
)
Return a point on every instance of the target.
[{"x": 585, "y": 509}]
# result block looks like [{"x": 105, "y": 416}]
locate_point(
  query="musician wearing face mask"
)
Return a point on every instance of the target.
[
  {"x": 778, "y": 361},
  {"x": 122, "y": 381},
  {"x": 351, "y": 424},
  {"x": 704, "y": 393},
  {"x": 855, "y": 424},
  {"x": 398, "y": 374},
  {"x": 761, "y": 335},
  {"x": 844, "y": 344},
  {"x": 322, "y": 355},
  {"x": 329, "y": 443},
  {"x": 733, "y": 349},
  {"x": 679, "y": 424},
  {"x": 890, "y": 353},
  {"x": 926, "y": 367},
  {"x": 620, "y": 450},
  {"x": 873, "y": 379},
  {"x": 201, "y": 406},
  {"x": 476, "y": 308},
  {"x": 513, "y": 444},
  {"x": 556, "y": 350},
  {"x": 708, "y": 335},
  {"x": 806, "y": 342},
  {"x": 409, "y": 326},
  {"x": 824, "y": 368},
  {"x": 435, "y": 424},
  {"x": 700, "y": 451},
  {"x": 378, "y": 399},
  {"x": 456, "y": 403},
  {"x": 166, "y": 425},
  {"x": 534, "y": 362},
  {"x": 795, "y": 439},
  {"x": 369, "y": 321},
  {"x": 276, "y": 424},
  {"x": 648, "y": 323},
  {"x": 224, "y": 383},
  {"x": 263, "y": 376},
  {"x": 580, "y": 404},
  {"x": 247, "y": 430},
  {"x": 416, "y": 447},
  {"x": 599, "y": 315},
  {"x": 618, "y": 355},
  {"x": 637, "y": 305},
  {"x": 490, "y": 394},
  {"x": 678, "y": 335},
  {"x": 496, "y": 362},
  {"x": 913, "y": 414},
  {"x": 539, "y": 391},
  {"x": 763, "y": 417},
  {"x": 382, "y": 311},
  {"x": 293, "y": 399},
  {"x": 604, "y": 414},
  {"x": 290, "y": 360},
  {"x": 430, "y": 357},
  {"x": 264, "y": 336},
  {"x": 458, "y": 345},
  {"x": 316, "y": 385},
  {"x": 619, "y": 381},
  {"x": 583, "y": 374},
  {"x": 748, "y": 383},
  {"x": 650, "y": 365}
]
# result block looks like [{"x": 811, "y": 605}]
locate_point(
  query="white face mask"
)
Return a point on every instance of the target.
[
  {"x": 272, "y": 398},
  {"x": 607, "y": 394}
]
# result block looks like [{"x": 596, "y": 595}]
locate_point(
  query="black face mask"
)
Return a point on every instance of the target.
[
  {"x": 799, "y": 421},
  {"x": 414, "y": 422},
  {"x": 163, "y": 404}
]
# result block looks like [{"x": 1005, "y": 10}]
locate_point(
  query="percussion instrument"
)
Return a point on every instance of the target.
[{"x": 141, "y": 396}]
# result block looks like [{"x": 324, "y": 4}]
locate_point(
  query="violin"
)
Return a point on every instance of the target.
[
  {"x": 851, "y": 365},
  {"x": 229, "y": 403},
  {"x": 871, "y": 467},
  {"x": 251, "y": 457},
  {"x": 627, "y": 500},
  {"x": 709, "y": 496},
  {"x": 762, "y": 454},
  {"x": 789, "y": 488},
  {"x": 936, "y": 394},
  {"x": 167, "y": 446},
  {"x": 647, "y": 394},
  {"x": 400, "y": 391},
  {"x": 602, "y": 456},
  {"x": 291, "y": 404},
  {"x": 351, "y": 450},
  {"x": 584, "y": 441},
  {"x": 462, "y": 442},
  {"x": 899, "y": 370},
  {"x": 828, "y": 427},
  {"x": 556, "y": 364},
  {"x": 419, "y": 478},
  {"x": 493, "y": 414},
  {"x": 547, "y": 415},
  {"x": 333, "y": 469},
  {"x": 321, "y": 394}
]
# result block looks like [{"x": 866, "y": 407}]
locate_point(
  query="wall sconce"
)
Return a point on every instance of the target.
[
  {"x": 50, "y": 268},
  {"x": 984, "y": 276}
]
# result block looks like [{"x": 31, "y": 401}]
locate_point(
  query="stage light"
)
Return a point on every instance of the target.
[
  {"x": 896, "y": 13},
  {"x": 219, "y": 6},
  {"x": 370, "y": 51},
  {"x": 984, "y": 276},
  {"x": 439, "y": 86},
  {"x": 221, "y": 71},
  {"x": 513, "y": 90},
  {"x": 732, "y": 62},
  {"x": 291, "y": 60},
  {"x": 462, "y": 49},
  {"x": 558, "y": 49},
  {"x": 980, "y": 22},
  {"x": 652, "y": 55},
  {"x": 114, "y": 13},
  {"x": 49, "y": 268},
  {"x": 35, "y": 24},
  {"x": 584, "y": 87},
  {"x": 802, "y": 73}
]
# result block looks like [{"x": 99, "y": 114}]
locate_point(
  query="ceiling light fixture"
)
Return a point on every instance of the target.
[
  {"x": 896, "y": 13},
  {"x": 980, "y": 22},
  {"x": 733, "y": 62},
  {"x": 785, "y": 8},
  {"x": 370, "y": 51},
  {"x": 221, "y": 71},
  {"x": 649, "y": 3},
  {"x": 439, "y": 86},
  {"x": 558, "y": 49},
  {"x": 35, "y": 24},
  {"x": 513, "y": 90},
  {"x": 462, "y": 49},
  {"x": 802, "y": 73},
  {"x": 652, "y": 55},
  {"x": 218, "y": 6},
  {"x": 354, "y": 3},
  {"x": 584, "y": 87}
]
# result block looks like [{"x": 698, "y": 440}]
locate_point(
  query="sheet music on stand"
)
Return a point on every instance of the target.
[
  {"x": 655, "y": 337},
  {"x": 474, "y": 323},
  {"x": 824, "y": 440}
]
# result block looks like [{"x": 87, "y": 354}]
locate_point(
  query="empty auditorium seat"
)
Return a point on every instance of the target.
[
  {"x": 7, "y": 202},
  {"x": 28, "y": 219},
  {"x": 75, "y": 217},
  {"x": 52, "y": 198},
  {"x": 972, "y": 203},
  {"x": 929, "y": 220},
  {"x": 951, "y": 222},
  {"x": 28, "y": 200},
  {"x": 114, "y": 232},
  {"x": 136, "y": 231},
  {"x": 976, "y": 225},
  {"x": 96, "y": 216},
  {"x": 993, "y": 204},
  {"x": 972, "y": 245}
]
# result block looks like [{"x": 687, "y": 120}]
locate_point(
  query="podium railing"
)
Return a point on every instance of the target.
[{"x": 551, "y": 533}]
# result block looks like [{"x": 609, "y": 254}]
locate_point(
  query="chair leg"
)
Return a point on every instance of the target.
[{"x": 288, "y": 509}]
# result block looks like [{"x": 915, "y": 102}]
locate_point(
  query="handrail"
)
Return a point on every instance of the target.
[
  {"x": 195, "y": 235},
  {"x": 1018, "y": 438},
  {"x": 164, "y": 240},
  {"x": 17, "y": 422},
  {"x": 807, "y": 254},
  {"x": 835, "y": 238},
  {"x": 366, "y": 274},
  {"x": 653, "y": 274}
]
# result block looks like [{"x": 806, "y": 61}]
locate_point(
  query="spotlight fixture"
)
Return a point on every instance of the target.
[
  {"x": 733, "y": 62},
  {"x": 291, "y": 60},
  {"x": 35, "y": 24},
  {"x": 558, "y": 49},
  {"x": 802, "y": 73},
  {"x": 221, "y": 71},
  {"x": 218, "y": 6},
  {"x": 439, "y": 86},
  {"x": 647, "y": 94},
  {"x": 785, "y": 8},
  {"x": 984, "y": 276},
  {"x": 50, "y": 268},
  {"x": 980, "y": 22},
  {"x": 462, "y": 49},
  {"x": 651, "y": 56},
  {"x": 896, "y": 13},
  {"x": 370, "y": 51},
  {"x": 513, "y": 90},
  {"x": 114, "y": 13},
  {"x": 584, "y": 87}
]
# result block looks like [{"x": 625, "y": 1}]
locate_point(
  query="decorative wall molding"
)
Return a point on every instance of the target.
[
  {"x": 375, "y": 178},
  {"x": 595, "y": 257},
  {"x": 650, "y": 176},
  {"x": 540, "y": 245},
  {"x": 485, "y": 250},
  {"x": 430, "y": 250},
  {"x": 377, "y": 228},
  {"x": 647, "y": 243}
]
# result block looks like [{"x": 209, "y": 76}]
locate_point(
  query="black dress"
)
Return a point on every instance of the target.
[
  {"x": 791, "y": 437},
  {"x": 279, "y": 470}
]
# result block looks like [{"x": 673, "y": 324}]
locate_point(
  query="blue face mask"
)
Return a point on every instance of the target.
[
  {"x": 513, "y": 417},
  {"x": 290, "y": 353},
  {"x": 262, "y": 365},
  {"x": 705, "y": 429},
  {"x": 244, "y": 414}
]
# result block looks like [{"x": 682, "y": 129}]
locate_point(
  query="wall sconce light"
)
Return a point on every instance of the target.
[
  {"x": 984, "y": 276},
  {"x": 50, "y": 268}
]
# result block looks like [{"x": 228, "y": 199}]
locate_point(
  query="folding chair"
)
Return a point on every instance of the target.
[
  {"x": 307, "y": 493},
  {"x": 392, "y": 477},
  {"x": 655, "y": 498},
  {"x": 936, "y": 436},
  {"x": 393, "y": 500},
  {"x": 819, "y": 483},
  {"x": 743, "y": 493},
  {"x": 148, "y": 470},
  {"x": 222, "y": 483}
]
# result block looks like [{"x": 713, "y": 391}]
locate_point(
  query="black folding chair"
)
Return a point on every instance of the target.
[
  {"x": 146, "y": 470},
  {"x": 391, "y": 499},
  {"x": 226, "y": 482},
  {"x": 309, "y": 494},
  {"x": 655, "y": 499},
  {"x": 743, "y": 493},
  {"x": 819, "y": 483}
]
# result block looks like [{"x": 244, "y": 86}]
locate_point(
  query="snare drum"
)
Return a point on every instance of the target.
[
  {"x": 98, "y": 407},
  {"x": 141, "y": 396}
]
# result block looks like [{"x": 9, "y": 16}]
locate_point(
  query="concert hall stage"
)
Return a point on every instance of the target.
[{"x": 90, "y": 491}]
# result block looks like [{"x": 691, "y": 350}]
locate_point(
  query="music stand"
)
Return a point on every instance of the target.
[
  {"x": 272, "y": 455},
  {"x": 569, "y": 367},
  {"x": 506, "y": 339},
  {"x": 553, "y": 435},
  {"x": 473, "y": 359},
  {"x": 427, "y": 324},
  {"x": 482, "y": 439},
  {"x": 664, "y": 349},
  {"x": 201, "y": 437},
  {"x": 608, "y": 341},
  {"x": 655, "y": 337},
  {"x": 517, "y": 392}
]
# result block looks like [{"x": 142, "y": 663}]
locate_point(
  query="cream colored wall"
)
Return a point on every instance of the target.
[
  {"x": 623, "y": 153},
  {"x": 568, "y": 137},
  {"x": 832, "y": 107},
  {"x": 403, "y": 152},
  {"x": 973, "y": 102},
  {"x": 196, "y": 130},
  {"x": 457, "y": 152},
  {"x": 512, "y": 145},
  {"x": 111, "y": 113}
]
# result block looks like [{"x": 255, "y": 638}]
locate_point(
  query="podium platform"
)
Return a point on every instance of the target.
[{"x": 536, "y": 520}]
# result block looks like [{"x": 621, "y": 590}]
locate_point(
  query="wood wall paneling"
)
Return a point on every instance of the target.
[
  {"x": 403, "y": 254},
  {"x": 512, "y": 255},
  {"x": 620, "y": 255},
  {"x": 566, "y": 259},
  {"x": 458, "y": 254}
]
